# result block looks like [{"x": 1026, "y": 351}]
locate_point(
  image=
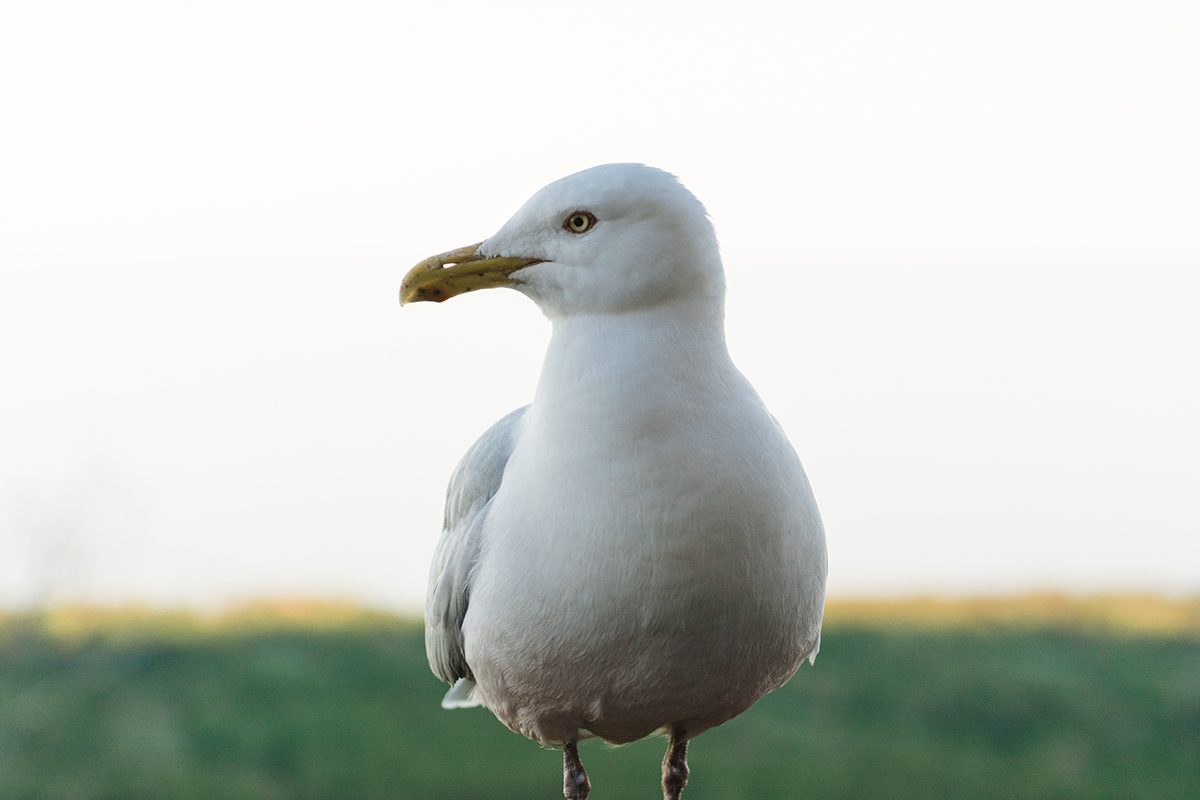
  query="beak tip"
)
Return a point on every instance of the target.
[{"x": 426, "y": 294}]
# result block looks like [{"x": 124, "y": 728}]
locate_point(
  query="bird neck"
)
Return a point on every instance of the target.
[{"x": 593, "y": 359}]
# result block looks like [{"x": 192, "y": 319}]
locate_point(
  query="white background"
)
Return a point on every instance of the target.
[{"x": 962, "y": 243}]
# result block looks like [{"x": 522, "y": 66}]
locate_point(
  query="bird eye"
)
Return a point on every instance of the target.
[{"x": 579, "y": 221}]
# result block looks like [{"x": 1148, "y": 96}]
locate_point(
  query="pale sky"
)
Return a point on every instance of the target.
[{"x": 961, "y": 241}]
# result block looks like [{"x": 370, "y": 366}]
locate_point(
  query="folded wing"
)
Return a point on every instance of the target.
[{"x": 472, "y": 486}]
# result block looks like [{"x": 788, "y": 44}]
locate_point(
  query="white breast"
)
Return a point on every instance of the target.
[{"x": 654, "y": 554}]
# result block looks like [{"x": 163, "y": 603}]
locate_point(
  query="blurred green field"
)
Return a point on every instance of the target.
[{"x": 319, "y": 703}]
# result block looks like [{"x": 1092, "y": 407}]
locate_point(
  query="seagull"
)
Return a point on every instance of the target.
[{"x": 638, "y": 550}]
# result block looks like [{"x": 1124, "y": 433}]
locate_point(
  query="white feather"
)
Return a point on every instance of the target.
[{"x": 461, "y": 695}]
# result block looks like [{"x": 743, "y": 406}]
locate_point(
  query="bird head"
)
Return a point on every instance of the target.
[{"x": 611, "y": 239}]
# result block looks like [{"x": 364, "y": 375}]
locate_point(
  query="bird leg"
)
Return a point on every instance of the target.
[
  {"x": 675, "y": 768},
  {"x": 575, "y": 781}
]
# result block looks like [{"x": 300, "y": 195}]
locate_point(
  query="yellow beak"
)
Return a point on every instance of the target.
[{"x": 443, "y": 276}]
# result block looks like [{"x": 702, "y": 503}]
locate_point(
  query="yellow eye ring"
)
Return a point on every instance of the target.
[{"x": 579, "y": 221}]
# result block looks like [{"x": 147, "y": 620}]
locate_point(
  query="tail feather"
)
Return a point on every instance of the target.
[{"x": 461, "y": 695}]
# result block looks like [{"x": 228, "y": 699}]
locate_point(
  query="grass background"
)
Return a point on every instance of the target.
[{"x": 1037, "y": 697}]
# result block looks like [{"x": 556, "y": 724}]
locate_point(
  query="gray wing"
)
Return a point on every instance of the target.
[{"x": 474, "y": 482}]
